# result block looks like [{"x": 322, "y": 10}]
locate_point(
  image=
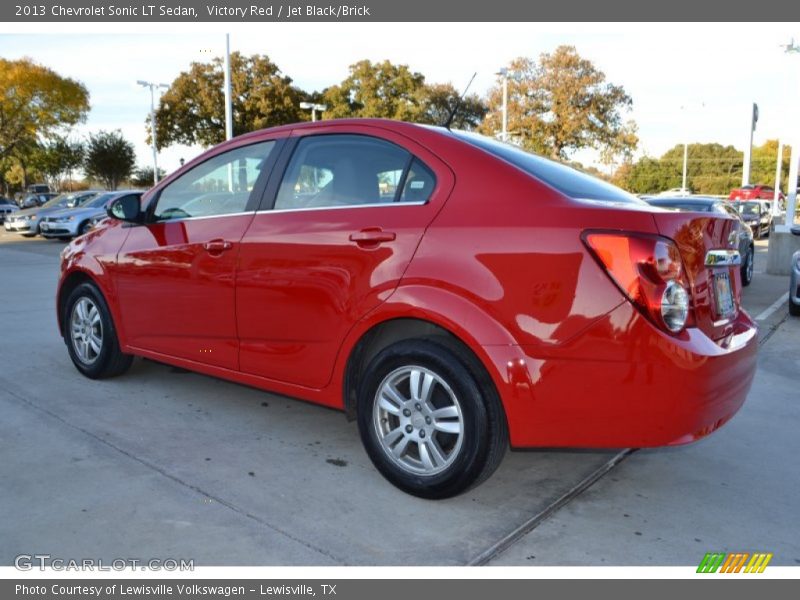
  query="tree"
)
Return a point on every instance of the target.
[
  {"x": 438, "y": 101},
  {"x": 377, "y": 90},
  {"x": 763, "y": 162},
  {"x": 143, "y": 176},
  {"x": 192, "y": 110},
  {"x": 387, "y": 91},
  {"x": 57, "y": 158},
  {"x": 711, "y": 169},
  {"x": 35, "y": 103},
  {"x": 561, "y": 104},
  {"x": 109, "y": 158}
]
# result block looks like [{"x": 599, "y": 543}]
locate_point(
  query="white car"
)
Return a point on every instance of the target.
[{"x": 677, "y": 192}]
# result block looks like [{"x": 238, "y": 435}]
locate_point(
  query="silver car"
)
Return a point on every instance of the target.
[
  {"x": 27, "y": 221},
  {"x": 70, "y": 222},
  {"x": 6, "y": 208},
  {"x": 794, "y": 280}
]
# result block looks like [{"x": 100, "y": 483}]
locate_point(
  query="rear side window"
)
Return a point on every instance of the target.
[
  {"x": 352, "y": 170},
  {"x": 566, "y": 180}
]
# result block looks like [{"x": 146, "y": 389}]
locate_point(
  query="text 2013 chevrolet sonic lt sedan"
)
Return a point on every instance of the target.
[{"x": 452, "y": 293}]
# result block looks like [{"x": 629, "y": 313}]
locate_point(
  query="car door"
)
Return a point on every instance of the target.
[
  {"x": 335, "y": 236},
  {"x": 175, "y": 274}
]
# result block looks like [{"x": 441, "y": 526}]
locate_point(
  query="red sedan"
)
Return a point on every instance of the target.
[
  {"x": 453, "y": 294},
  {"x": 755, "y": 192}
]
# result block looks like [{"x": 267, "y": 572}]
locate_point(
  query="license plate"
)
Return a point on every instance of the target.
[{"x": 723, "y": 294}]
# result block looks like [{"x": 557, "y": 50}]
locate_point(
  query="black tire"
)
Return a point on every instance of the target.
[
  {"x": 110, "y": 361},
  {"x": 747, "y": 268},
  {"x": 84, "y": 227},
  {"x": 484, "y": 433},
  {"x": 794, "y": 309}
]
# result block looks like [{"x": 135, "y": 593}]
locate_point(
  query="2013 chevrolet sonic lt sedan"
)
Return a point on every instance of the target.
[{"x": 453, "y": 294}]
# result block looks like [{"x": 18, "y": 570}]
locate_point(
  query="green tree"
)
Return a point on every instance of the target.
[
  {"x": 563, "y": 103},
  {"x": 36, "y": 102},
  {"x": 711, "y": 169},
  {"x": 57, "y": 158},
  {"x": 384, "y": 90},
  {"x": 143, "y": 177},
  {"x": 763, "y": 163},
  {"x": 438, "y": 101},
  {"x": 109, "y": 158},
  {"x": 192, "y": 110},
  {"x": 377, "y": 90}
]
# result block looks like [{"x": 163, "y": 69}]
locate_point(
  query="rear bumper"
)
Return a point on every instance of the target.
[{"x": 623, "y": 383}]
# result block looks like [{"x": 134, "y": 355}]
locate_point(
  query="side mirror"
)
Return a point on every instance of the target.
[{"x": 127, "y": 208}]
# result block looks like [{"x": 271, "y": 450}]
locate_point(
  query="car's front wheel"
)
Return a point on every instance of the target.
[
  {"x": 430, "y": 424},
  {"x": 747, "y": 267},
  {"x": 91, "y": 336}
]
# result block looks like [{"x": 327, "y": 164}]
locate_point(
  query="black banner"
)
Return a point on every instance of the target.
[
  {"x": 250, "y": 11},
  {"x": 372, "y": 589}
]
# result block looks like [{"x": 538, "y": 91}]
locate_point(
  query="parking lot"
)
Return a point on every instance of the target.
[{"x": 163, "y": 463}]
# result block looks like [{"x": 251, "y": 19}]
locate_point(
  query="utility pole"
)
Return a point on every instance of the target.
[
  {"x": 748, "y": 151},
  {"x": 153, "y": 87},
  {"x": 227, "y": 84}
]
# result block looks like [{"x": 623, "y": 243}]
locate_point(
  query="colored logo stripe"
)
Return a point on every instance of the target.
[{"x": 734, "y": 562}]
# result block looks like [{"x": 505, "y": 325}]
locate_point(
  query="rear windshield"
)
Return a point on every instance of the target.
[{"x": 566, "y": 180}]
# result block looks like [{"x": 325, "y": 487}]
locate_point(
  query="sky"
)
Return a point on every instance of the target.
[{"x": 688, "y": 82}]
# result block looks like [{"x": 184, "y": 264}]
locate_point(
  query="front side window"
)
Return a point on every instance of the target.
[
  {"x": 351, "y": 170},
  {"x": 219, "y": 186}
]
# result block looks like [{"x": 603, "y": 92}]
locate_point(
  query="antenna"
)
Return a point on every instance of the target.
[{"x": 458, "y": 103}]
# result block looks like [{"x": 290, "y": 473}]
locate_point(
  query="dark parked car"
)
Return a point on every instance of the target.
[
  {"x": 715, "y": 205},
  {"x": 794, "y": 280},
  {"x": 757, "y": 214}
]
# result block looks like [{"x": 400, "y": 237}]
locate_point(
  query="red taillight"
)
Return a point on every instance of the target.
[{"x": 649, "y": 270}]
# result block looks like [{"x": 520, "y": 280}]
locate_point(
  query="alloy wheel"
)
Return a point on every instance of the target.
[
  {"x": 418, "y": 420},
  {"x": 86, "y": 330}
]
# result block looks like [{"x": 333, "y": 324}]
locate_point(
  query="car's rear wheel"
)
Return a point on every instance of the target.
[
  {"x": 430, "y": 424},
  {"x": 91, "y": 336},
  {"x": 747, "y": 267}
]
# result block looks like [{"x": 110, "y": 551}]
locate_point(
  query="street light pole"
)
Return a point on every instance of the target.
[
  {"x": 227, "y": 84},
  {"x": 791, "y": 192},
  {"x": 314, "y": 108},
  {"x": 685, "y": 164},
  {"x": 504, "y": 74},
  {"x": 153, "y": 87},
  {"x": 776, "y": 209}
]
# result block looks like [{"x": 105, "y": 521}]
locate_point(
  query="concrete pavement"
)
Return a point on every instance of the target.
[{"x": 164, "y": 463}]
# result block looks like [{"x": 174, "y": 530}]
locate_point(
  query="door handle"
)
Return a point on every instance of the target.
[
  {"x": 217, "y": 246},
  {"x": 368, "y": 237}
]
